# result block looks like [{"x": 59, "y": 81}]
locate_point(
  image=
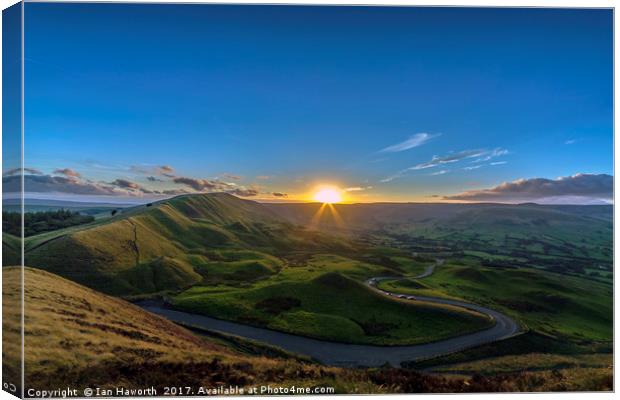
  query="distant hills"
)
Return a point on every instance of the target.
[{"x": 377, "y": 215}]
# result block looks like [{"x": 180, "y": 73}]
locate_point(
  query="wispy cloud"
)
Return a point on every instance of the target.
[
  {"x": 161, "y": 170},
  {"x": 571, "y": 141},
  {"x": 442, "y": 172},
  {"x": 414, "y": 141},
  {"x": 497, "y": 152},
  {"x": 478, "y": 155},
  {"x": 357, "y": 188},
  {"x": 491, "y": 164},
  {"x": 448, "y": 159},
  {"x": 232, "y": 176}
]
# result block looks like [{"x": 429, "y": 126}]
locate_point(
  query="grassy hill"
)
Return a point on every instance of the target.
[
  {"x": 330, "y": 306},
  {"x": 561, "y": 306},
  {"x": 79, "y": 338},
  {"x": 11, "y": 249},
  {"x": 170, "y": 245}
]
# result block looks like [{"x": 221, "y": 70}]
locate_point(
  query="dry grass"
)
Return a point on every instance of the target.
[{"x": 78, "y": 337}]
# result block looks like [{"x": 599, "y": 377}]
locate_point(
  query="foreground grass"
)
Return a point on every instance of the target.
[{"x": 80, "y": 338}]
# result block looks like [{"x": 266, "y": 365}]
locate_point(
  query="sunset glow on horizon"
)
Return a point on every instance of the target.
[{"x": 328, "y": 195}]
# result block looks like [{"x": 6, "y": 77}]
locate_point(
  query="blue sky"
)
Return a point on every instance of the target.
[{"x": 263, "y": 100}]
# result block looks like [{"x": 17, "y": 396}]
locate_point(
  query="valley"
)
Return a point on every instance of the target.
[{"x": 399, "y": 284}]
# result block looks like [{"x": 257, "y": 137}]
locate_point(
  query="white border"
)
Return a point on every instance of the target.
[{"x": 475, "y": 3}]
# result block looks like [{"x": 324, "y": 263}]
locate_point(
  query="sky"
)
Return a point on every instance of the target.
[{"x": 137, "y": 102}]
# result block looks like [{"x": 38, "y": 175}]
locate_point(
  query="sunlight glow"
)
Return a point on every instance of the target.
[{"x": 328, "y": 195}]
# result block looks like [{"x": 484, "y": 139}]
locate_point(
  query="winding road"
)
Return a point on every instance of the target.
[{"x": 342, "y": 354}]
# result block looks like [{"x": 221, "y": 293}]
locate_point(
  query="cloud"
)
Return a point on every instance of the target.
[
  {"x": 414, "y": 141},
  {"x": 153, "y": 179},
  {"x": 278, "y": 194},
  {"x": 214, "y": 185},
  {"x": 497, "y": 152},
  {"x": 571, "y": 141},
  {"x": 263, "y": 177},
  {"x": 125, "y": 184},
  {"x": 200, "y": 184},
  {"x": 174, "y": 192},
  {"x": 67, "y": 172},
  {"x": 161, "y": 170},
  {"x": 472, "y": 167},
  {"x": 477, "y": 154},
  {"x": 233, "y": 177},
  {"x": 58, "y": 184},
  {"x": 480, "y": 155},
  {"x": 442, "y": 172},
  {"x": 357, "y": 188},
  {"x": 585, "y": 186},
  {"x": 244, "y": 192},
  {"x": 17, "y": 171}
]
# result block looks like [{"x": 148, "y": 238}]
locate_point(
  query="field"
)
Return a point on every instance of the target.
[
  {"x": 325, "y": 300},
  {"x": 548, "y": 302}
]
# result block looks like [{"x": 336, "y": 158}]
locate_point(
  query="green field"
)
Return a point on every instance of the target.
[
  {"x": 326, "y": 299},
  {"x": 544, "y": 301}
]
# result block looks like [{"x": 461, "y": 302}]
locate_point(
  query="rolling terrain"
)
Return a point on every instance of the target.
[
  {"x": 278, "y": 267},
  {"x": 103, "y": 341},
  {"x": 237, "y": 260},
  {"x": 76, "y": 337},
  {"x": 170, "y": 245},
  {"x": 564, "y": 238}
]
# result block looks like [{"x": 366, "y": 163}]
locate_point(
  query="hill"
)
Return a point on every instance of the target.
[
  {"x": 76, "y": 337},
  {"x": 330, "y": 306},
  {"x": 162, "y": 246}
]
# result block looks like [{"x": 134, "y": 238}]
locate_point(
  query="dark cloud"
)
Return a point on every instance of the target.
[
  {"x": 242, "y": 192},
  {"x": 584, "y": 186},
  {"x": 278, "y": 194},
  {"x": 174, "y": 192},
  {"x": 17, "y": 171},
  {"x": 59, "y": 184},
  {"x": 67, "y": 172},
  {"x": 214, "y": 185},
  {"x": 233, "y": 177},
  {"x": 125, "y": 184},
  {"x": 200, "y": 184},
  {"x": 153, "y": 179}
]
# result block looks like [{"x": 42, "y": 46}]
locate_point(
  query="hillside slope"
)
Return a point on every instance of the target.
[
  {"x": 76, "y": 337},
  {"x": 160, "y": 246}
]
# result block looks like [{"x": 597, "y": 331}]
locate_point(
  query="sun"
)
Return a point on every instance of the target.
[{"x": 328, "y": 195}]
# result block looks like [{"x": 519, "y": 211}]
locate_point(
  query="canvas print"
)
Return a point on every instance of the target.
[{"x": 255, "y": 199}]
